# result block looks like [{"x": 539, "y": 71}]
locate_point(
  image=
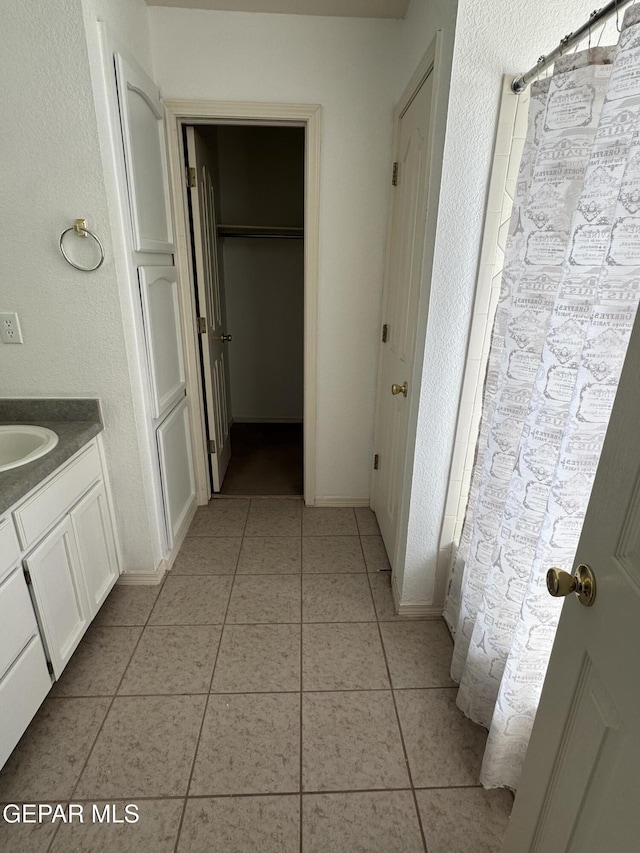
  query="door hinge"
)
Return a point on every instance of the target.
[
  {"x": 385, "y": 333},
  {"x": 27, "y": 576},
  {"x": 211, "y": 445},
  {"x": 202, "y": 325},
  {"x": 376, "y": 462},
  {"x": 191, "y": 176},
  {"x": 394, "y": 176},
  {"x": 50, "y": 667}
]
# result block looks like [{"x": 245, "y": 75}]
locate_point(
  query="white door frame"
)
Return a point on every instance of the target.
[
  {"x": 177, "y": 114},
  {"x": 429, "y": 64}
]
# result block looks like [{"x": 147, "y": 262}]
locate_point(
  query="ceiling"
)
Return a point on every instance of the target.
[{"x": 339, "y": 8}]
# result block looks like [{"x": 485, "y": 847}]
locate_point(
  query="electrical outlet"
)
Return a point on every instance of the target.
[{"x": 10, "y": 332}]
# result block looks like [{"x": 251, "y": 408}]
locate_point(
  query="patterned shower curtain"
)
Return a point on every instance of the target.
[{"x": 569, "y": 294}]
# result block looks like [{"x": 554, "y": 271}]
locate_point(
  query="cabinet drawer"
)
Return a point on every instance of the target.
[
  {"x": 22, "y": 691},
  {"x": 9, "y": 547},
  {"x": 17, "y": 619},
  {"x": 51, "y": 502}
]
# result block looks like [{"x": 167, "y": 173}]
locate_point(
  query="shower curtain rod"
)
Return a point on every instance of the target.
[{"x": 599, "y": 16}]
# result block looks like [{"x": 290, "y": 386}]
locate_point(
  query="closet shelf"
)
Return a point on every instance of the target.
[{"x": 287, "y": 232}]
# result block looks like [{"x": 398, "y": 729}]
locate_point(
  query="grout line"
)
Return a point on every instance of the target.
[
  {"x": 402, "y": 741},
  {"x": 301, "y": 814},
  {"x": 207, "y": 700},
  {"x": 258, "y": 692}
]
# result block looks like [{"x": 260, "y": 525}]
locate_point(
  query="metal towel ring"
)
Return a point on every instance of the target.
[{"x": 80, "y": 228}]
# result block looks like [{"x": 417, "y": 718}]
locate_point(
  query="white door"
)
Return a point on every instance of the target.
[
  {"x": 163, "y": 336},
  {"x": 176, "y": 468},
  {"x": 400, "y": 312},
  {"x": 579, "y": 788},
  {"x": 60, "y": 593},
  {"x": 96, "y": 547},
  {"x": 215, "y": 362}
]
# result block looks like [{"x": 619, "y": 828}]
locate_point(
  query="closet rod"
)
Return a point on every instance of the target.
[
  {"x": 262, "y": 235},
  {"x": 292, "y": 233},
  {"x": 566, "y": 43}
]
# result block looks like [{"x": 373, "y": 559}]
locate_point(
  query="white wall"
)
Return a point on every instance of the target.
[
  {"x": 51, "y": 173},
  {"x": 265, "y": 304},
  {"x": 492, "y": 38},
  {"x": 347, "y": 66}
]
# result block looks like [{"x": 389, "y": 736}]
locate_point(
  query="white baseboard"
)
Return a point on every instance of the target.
[
  {"x": 340, "y": 501},
  {"x": 143, "y": 578},
  {"x": 414, "y": 611},
  {"x": 155, "y": 577}
]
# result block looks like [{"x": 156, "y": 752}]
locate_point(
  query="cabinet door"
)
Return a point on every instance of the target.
[
  {"x": 176, "y": 468},
  {"x": 142, "y": 119},
  {"x": 60, "y": 593},
  {"x": 96, "y": 547},
  {"x": 163, "y": 336}
]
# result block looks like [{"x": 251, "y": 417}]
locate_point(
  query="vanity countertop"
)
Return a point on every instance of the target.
[{"x": 74, "y": 421}]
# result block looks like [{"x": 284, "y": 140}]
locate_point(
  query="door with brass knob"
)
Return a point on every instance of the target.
[
  {"x": 399, "y": 389},
  {"x": 583, "y": 583},
  {"x": 578, "y": 792}
]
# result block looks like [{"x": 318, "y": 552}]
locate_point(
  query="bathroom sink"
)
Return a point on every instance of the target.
[{"x": 22, "y": 443}]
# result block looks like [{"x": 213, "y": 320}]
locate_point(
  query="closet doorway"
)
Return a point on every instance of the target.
[{"x": 246, "y": 206}]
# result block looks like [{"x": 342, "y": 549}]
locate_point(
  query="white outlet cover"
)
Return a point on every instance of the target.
[{"x": 10, "y": 331}]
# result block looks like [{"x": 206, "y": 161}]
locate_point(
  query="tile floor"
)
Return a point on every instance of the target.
[{"x": 264, "y": 698}]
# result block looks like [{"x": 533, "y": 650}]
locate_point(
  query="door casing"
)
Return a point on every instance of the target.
[{"x": 182, "y": 112}]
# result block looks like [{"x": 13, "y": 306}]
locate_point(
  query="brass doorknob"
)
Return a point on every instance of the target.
[
  {"x": 223, "y": 338},
  {"x": 400, "y": 389},
  {"x": 583, "y": 583}
]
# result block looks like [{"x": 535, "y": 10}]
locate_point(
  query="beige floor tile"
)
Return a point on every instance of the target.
[
  {"x": 186, "y": 600},
  {"x": 173, "y": 659},
  {"x": 336, "y": 598},
  {"x": 99, "y": 662},
  {"x": 27, "y": 837},
  {"x": 375, "y": 555},
  {"x": 250, "y": 744},
  {"x": 222, "y": 517},
  {"x": 145, "y": 748},
  {"x": 274, "y": 517},
  {"x": 366, "y": 521},
  {"x": 207, "y": 555},
  {"x": 351, "y": 741},
  {"x": 329, "y": 521},
  {"x": 258, "y": 659},
  {"x": 444, "y": 747},
  {"x": 457, "y": 820},
  {"x": 155, "y": 832},
  {"x": 128, "y": 605},
  {"x": 343, "y": 656},
  {"x": 418, "y": 653},
  {"x": 272, "y": 598},
  {"x": 382, "y": 597},
  {"x": 332, "y": 554},
  {"x": 371, "y": 822},
  {"x": 49, "y": 758},
  {"x": 270, "y": 555},
  {"x": 241, "y": 825}
]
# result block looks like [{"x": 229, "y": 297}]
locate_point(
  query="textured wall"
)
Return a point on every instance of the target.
[
  {"x": 347, "y": 66},
  {"x": 492, "y": 38},
  {"x": 51, "y": 173}
]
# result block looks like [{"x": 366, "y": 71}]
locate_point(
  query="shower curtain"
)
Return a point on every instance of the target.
[{"x": 569, "y": 293}]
